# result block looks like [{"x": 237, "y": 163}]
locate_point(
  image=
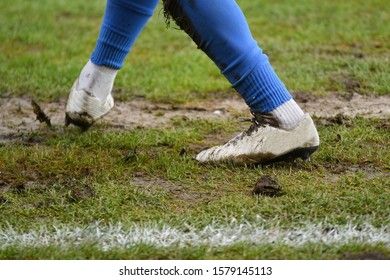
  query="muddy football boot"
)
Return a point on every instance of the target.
[
  {"x": 264, "y": 142},
  {"x": 83, "y": 109}
]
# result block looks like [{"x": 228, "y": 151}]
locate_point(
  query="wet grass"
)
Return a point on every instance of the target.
[
  {"x": 315, "y": 47},
  {"x": 145, "y": 176},
  {"x": 58, "y": 175}
]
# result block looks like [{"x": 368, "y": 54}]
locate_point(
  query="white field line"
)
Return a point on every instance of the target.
[{"x": 213, "y": 235}]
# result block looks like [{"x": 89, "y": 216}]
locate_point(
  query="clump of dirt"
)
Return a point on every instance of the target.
[
  {"x": 266, "y": 185},
  {"x": 41, "y": 116}
]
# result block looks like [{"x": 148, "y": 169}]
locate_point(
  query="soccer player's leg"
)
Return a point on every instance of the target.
[
  {"x": 90, "y": 97},
  {"x": 280, "y": 129}
]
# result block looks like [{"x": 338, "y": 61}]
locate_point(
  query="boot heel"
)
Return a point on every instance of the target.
[{"x": 306, "y": 153}]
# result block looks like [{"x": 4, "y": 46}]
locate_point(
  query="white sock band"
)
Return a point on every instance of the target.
[
  {"x": 288, "y": 114},
  {"x": 97, "y": 80}
]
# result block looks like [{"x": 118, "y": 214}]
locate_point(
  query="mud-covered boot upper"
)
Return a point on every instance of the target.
[{"x": 265, "y": 142}]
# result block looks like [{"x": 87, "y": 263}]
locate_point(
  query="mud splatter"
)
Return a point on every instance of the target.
[{"x": 41, "y": 116}]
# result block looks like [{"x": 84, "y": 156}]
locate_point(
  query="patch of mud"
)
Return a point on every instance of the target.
[
  {"x": 350, "y": 104},
  {"x": 335, "y": 171},
  {"x": 18, "y": 117},
  {"x": 163, "y": 186},
  {"x": 17, "y": 114}
]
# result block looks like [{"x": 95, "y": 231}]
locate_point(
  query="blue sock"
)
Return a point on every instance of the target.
[
  {"x": 219, "y": 28},
  {"x": 123, "y": 21}
]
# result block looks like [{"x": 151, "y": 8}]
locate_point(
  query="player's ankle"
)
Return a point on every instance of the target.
[
  {"x": 97, "y": 80},
  {"x": 288, "y": 115}
]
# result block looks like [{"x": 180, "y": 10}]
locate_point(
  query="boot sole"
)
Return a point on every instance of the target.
[
  {"x": 83, "y": 122},
  {"x": 303, "y": 153}
]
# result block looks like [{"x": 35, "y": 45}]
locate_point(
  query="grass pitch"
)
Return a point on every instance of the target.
[{"x": 138, "y": 194}]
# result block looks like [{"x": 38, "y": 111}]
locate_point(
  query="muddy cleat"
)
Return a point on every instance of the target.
[
  {"x": 83, "y": 109},
  {"x": 264, "y": 142}
]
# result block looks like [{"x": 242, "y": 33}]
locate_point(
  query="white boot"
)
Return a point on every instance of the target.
[
  {"x": 264, "y": 142},
  {"x": 90, "y": 97},
  {"x": 83, "y": 108}
]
